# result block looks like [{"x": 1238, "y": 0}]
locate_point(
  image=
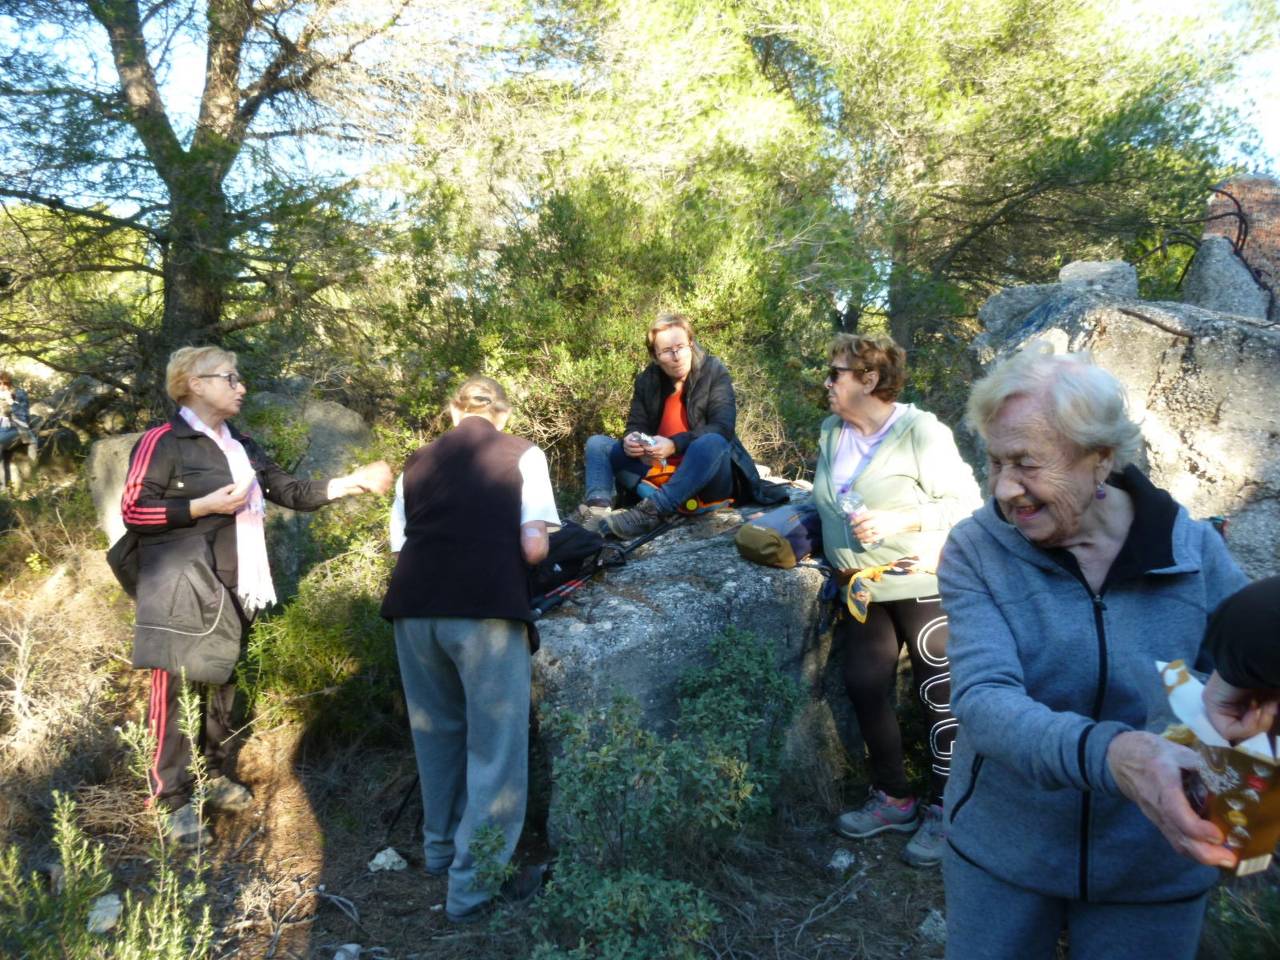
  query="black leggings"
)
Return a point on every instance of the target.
[{"x": 870, "y": 674}]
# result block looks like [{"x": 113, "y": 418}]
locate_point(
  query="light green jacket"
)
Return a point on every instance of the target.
[{"x": 916, "y": 469}]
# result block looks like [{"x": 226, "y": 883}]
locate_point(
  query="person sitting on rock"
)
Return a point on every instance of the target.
[
  {"x": 680, "y": 450},
  {"x": 15, "y": 422}
]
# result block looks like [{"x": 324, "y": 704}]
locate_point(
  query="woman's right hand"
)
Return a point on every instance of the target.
[
  {"x": 226, "y": 499},
  {"x": 1148, "y": 770},
  {"x": 632, "y": 446}
]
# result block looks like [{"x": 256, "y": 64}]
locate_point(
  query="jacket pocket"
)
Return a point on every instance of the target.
[{"x": 974, "y": 771}]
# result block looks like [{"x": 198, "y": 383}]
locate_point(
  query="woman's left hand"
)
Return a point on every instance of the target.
[
  {"x": 1148, "y": 770},
  {"x": 872, "y": 526},
  {"x": 662, "y": 449}
]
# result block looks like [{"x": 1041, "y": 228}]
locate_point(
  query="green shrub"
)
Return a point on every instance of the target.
[
  {"x": 641, "y": 818},
  {"x": 328, "y": 657},
  {"x": 1244, "y": 919},
  {"x": 167, "y": 922},
  {"x": 628, "y": 915}
]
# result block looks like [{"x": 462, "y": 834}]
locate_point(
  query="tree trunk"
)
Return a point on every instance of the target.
[{"x": 198, "y": 270}]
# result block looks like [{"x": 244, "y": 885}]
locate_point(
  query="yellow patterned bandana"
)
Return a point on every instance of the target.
[{"x": 857, "y": 592}]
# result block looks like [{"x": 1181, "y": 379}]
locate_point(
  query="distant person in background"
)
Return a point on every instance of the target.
[
  {"x": 15, "y": 422},
  {"x": 1242, "y": 697},
  {"x": 470, "y": 517},
  {"x": 904, "y": 464},
  {"x": 680, "y": 447},
  {"x": 195, "y": 495},
  {"x": 1062, "y": 592}
]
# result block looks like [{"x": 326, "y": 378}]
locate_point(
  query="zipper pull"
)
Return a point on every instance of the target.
[{"x": 1099, "y": 603}]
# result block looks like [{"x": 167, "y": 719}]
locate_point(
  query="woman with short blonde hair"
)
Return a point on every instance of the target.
[{"x": 195, "y": 496}]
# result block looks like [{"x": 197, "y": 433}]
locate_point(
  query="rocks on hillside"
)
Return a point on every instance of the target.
[
  {"x": 1219, "y": 280},
  {"x": 1201, "y": 382},
  {"x": 1255, "y": 200},
  {"x": 638, "y": 628}
]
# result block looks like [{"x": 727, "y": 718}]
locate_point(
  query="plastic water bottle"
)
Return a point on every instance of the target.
[{"x": 853, "y": 506}]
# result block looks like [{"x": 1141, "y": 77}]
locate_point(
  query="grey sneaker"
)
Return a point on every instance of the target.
[
  {"x": 925, "y": 848},
  {"x": 877, "y": 815},
  {"x": 223, "y": 793},
  {"x": 628, "y": 524},
  {"x": 184, "y": 827},
  {"x": 590, "y": 514}
]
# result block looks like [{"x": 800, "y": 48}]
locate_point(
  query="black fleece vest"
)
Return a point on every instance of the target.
[{"x": 461, "y": 556}]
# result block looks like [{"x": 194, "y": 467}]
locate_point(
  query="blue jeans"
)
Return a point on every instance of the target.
[{"x": 706, "y": 469}]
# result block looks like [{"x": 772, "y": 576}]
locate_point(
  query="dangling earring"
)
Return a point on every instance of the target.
[{"x": 1101, "y": 492}]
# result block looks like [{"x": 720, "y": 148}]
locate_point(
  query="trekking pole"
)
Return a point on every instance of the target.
[{"x": 555, "y": 597}]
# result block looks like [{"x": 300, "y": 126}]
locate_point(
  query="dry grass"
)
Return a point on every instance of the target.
[{"x": 63, "y": 636}]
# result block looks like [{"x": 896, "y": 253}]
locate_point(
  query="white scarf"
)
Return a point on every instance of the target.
[{"x": 253, "y": 576}]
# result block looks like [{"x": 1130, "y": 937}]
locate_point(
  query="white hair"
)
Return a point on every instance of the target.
[{"x": 1086, "y": 404}]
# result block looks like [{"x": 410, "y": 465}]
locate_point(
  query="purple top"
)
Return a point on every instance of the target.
[{"x": 854, "y": 451}]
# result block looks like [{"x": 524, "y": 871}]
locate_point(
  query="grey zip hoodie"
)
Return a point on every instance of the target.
[{"x": 1044, "y": 675}]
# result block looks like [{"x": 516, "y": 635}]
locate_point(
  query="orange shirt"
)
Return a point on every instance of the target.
[{"x": 674, "y": 420}]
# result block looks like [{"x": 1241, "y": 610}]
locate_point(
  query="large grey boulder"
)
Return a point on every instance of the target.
[
  {"x": 1219, "y": 280},
  {"x": 1114, "y": 277},
  {"x": 1203, "y": 385},
  {"x": 637, "y": 629},
  {"x": 1004, "y": 310}
]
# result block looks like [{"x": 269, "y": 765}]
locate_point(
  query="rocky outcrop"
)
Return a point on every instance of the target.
[
  {"x": 1219, "y": 280},
  {"x": 1255, "y": 200},
  {"x": 1203, "y": 385},
  {"x": 637, "y": 629}
]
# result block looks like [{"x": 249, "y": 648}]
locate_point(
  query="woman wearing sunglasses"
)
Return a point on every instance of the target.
[
  {"x": 194, "y": 494},
  {"x": 889, "y": 485}
]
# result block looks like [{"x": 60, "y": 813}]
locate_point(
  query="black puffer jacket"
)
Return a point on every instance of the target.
[{"x": 711, "y": 407}]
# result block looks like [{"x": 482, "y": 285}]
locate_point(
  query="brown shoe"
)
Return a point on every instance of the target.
[{"x": 629, "y": 524}]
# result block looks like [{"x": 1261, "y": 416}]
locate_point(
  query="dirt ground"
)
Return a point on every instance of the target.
[{"x": 289, "y": 878}]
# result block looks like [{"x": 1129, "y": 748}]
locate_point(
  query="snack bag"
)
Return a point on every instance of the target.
[{"x": 1241, "y": 784}]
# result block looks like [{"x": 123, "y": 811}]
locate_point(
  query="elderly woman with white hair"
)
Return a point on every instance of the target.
[{"x": 1063, "y": 591}]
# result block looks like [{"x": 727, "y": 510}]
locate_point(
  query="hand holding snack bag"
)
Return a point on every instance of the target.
[{"x": 1237, "y": 788}]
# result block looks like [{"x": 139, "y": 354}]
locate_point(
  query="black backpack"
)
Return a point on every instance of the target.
[{"x": 574, "y": 552}]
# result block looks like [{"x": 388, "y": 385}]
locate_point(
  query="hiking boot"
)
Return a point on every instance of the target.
[
  {"x": 629, "y": 524},
  {"x": 877, "y": 815},
  {"x": 223, "y": 793},
  {"x": 590, "y": 514},
  {"x": 519, "y": 889},
  {"x": 184, "y": 827},
  {"x": 925, "y": 847}
]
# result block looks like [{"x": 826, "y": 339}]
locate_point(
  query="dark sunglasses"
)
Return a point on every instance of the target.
[{"x": 834, "y": 371}]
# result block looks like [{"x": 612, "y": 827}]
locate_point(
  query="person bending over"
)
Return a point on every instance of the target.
[
  {"x": 1062, "y": 592},
  {"x": 470, "y": 517}
]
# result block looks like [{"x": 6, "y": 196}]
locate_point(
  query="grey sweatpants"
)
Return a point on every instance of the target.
[
  {"x": 466, "y": 684},
  {"x": 988, "y": 919}
]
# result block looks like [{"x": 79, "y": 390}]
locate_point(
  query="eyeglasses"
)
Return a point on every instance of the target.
[
  {"x": 672, "y": 352},
  {"x": 233, "y": 379},
  {"x": 834, "y": 371}
]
